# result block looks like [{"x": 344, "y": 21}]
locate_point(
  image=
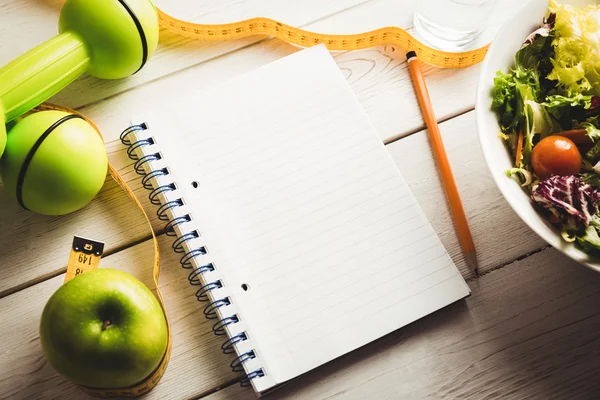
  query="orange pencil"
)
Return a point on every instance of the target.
[{"x": 458, "y": 212}]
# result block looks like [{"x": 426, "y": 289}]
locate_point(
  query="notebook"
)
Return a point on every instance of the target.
[{"x": 296, "y": 229}]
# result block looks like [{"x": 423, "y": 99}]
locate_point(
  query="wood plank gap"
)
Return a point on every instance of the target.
[
  {"x": 498, "y": 267},
  {"x": 224, "y": 386},
  {"x": 60, "y": 271},
  {"x": 421, "y": 128}
]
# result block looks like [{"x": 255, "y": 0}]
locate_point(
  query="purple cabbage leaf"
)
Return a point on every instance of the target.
[{"x": 566, "y": 196}]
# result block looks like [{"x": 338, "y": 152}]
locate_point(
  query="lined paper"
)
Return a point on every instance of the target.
[{"x": 299, "y": 200}]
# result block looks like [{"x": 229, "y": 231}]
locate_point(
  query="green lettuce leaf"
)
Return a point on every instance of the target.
[
  {"x": 506, "y": 101},
  {"x": 511, "y": 92},
  {"x": 590, "y": 240},
  {"x": 568, "y": 110},
  {"x": 538, "y": 122},
  {"x": 591, "y": 130},
  {"x": 576, "y": 61},
  {"x": 515, "y": 92},
  {"x": 592, "y": 178}
]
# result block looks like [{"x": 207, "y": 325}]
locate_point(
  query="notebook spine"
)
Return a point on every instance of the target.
[{"x": 145, "y": 152}]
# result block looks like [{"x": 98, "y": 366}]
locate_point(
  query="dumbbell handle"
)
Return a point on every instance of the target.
[{"x": 37, "y": 75}]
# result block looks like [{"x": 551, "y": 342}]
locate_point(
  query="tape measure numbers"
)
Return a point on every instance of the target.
[
  {"x": 303, "y": 38},
  {"x": 85, "y": 256}
]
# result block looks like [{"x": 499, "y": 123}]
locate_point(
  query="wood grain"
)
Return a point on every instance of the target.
[
  {"x": 197, "y": 364},
  {"x": 24, "y": 24},
  {"x": 528, "y": 331},
  {"x": 379, "y": 79},
  {"x": 381, "y": 83},
  {"x": 181, "y": 66},
  {"x": 500, "y": 235}
]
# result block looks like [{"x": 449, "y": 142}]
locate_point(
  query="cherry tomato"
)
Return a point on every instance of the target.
[{"x": 555, "y": 155}]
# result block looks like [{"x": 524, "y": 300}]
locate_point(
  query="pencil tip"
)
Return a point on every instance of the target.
[{"x": 472, "y": 260}]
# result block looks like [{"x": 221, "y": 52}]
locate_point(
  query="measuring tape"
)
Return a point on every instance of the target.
[
  {"x": 303, "y": 38},
  {"x": 151, "y": 381}
]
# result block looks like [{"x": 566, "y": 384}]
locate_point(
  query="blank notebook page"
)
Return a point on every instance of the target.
[{"x": 299, "y": 202}]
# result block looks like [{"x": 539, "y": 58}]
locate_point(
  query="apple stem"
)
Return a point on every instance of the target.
[{"x": 105, "y": 325}]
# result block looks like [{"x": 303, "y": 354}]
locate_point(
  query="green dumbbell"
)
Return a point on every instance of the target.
[
  {"x": 55, "y": 163},
  {"x": 109, "y": 39}
]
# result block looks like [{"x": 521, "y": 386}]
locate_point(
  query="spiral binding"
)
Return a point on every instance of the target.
[
  {"x": 202, "y": 293},
  {"x": 131, "y": 129},
  {"x": 154, "y": 174},
  {"x": 139, "y": 164},
  {"x": 195, "y": 277},
  {"x": 228, "y": 348},
  {"x": 237, "y": 364},
  {"x": 161, "y": 212},
  {"x": 178, "y": 243},
  {"x": 170, "y": 227},
  {"x": 219, "y": 327},
  {"x": 254, "y": 374},
  {"x": 153, "y": 196}
]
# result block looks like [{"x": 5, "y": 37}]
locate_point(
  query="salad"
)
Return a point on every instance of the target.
[{"x": 548, "y": 108}]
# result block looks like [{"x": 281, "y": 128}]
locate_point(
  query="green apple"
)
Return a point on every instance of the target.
[{"x": 104, "y": 329}]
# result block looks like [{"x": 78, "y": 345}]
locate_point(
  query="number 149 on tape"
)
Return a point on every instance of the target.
[{"x": 85, "y": 256}]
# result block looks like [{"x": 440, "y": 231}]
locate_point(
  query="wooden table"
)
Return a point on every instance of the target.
[{"x": 530, "y": 329}]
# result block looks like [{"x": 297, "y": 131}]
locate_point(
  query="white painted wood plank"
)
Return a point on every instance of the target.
[
  {"x": 237, "y": 392},
  {"x": 197, "y": 364},
  {"x": 367, "y": 16},
  {"x": 24, "y": 24},
  {"x": 529, "y": 330},
  {"x": 381, "y": 82},
  {"x": 382, "y": 85},
  {"x": 290, "y": 12},
  {"x": 500, "y": 236}
]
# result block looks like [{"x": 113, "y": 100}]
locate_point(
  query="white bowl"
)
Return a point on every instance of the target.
[{"x": 501, "y": 56}]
